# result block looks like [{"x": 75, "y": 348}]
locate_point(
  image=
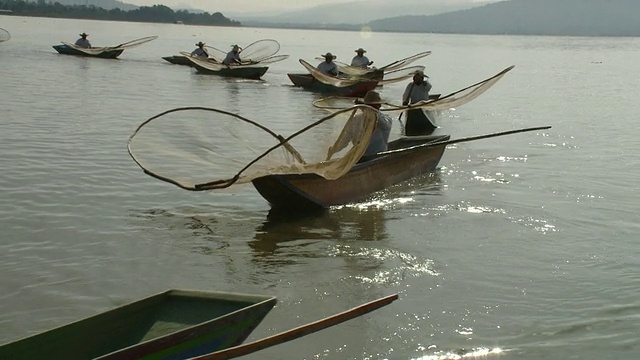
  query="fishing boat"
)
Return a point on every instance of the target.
[
  {"x": 108, "y": 52},
  {"x": 103, "y": 52},
  {"x": 245, "y": 71},
  {"x": 393, "y": 72},
  {"x": 353, "y": 89},
  {"x": 318, "y": 166},
  {"x": 406, "y": 158},
  {"x": 175, "y": 324}
]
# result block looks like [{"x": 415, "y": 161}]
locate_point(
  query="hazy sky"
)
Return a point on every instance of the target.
[{"x": 251, "y": 5}]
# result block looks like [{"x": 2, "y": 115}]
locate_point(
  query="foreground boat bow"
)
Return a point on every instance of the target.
[{"x": 175, "y": 324}]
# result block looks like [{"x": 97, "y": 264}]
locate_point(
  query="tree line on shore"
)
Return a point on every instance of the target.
[{"x": 152, "y": 14}]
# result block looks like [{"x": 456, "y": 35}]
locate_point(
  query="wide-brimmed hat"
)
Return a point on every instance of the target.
[
  {"x": 372, "y": 97},
  {"x": 328, "y": 55},
  {"x": 360, "y": 50},
  {"x": 200, "y": 44},
  {"x": 84, "y": 35}
]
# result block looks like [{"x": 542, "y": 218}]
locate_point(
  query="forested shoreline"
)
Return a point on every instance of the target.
[{"x": 151, "y": 14}]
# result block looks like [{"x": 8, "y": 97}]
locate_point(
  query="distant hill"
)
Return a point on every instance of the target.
[
  {"x": 528, "y": 17},
  {"x": 355, "y": 13},
  {"x": 105, "y": 4}
]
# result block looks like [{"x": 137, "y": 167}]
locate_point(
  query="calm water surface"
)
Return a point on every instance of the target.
[{"x": 524, "y": 245}]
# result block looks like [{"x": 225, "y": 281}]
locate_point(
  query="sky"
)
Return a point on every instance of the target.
[{"x": 251, "y": 6}]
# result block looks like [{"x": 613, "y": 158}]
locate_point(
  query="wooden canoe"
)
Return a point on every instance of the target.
[
  {"x": 406, "y": 158},
  {"x": 107, "y": 53},
  {"x": 307, "y": 81},
  {"x": 178, "y": 60},
  {"x": 244, "y": 72},
  {"x": 175, "y": 324}
]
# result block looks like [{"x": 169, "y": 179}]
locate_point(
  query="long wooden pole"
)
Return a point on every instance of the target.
[
  {"x": 298, "y": 332},
  {"x": 470, "y": 138}
]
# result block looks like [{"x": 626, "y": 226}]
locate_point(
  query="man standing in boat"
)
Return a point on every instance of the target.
[
  {"x": 360, "y": 60},
  {"x": 200, "y": 51},
  {"x": 417, "y": 122},
  {"x": 328, "y": 66},
  {"x": 417, "y": 90},
  {"x": 233, "y": 56},
  {"x": 83, "y": 42}
]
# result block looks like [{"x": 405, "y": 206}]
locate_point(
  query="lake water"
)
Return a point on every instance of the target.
[{"x": 522, "y": 245}]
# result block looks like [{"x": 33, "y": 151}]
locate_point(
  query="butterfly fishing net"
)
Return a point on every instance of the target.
[
  {"x": 123, "y": 46},
  {"x": 261, "y": 51},
  {"x": 451, "y": 100},
  {"x": 331, "y": 80},
  {"x": 4, "y": 35},
  {"x": 199, "y": 148}
]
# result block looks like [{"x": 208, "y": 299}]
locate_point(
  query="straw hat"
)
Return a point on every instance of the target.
[
  {"x": 84, "y": 35},
  {"x": 361, "y": 50},
  {"x": 329, "y": 55},
  {"x": 372, "y": 97},
  {"x": 200, "y": 44}
]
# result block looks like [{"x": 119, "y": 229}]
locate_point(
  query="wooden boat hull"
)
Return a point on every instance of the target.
[
  {"x": 175, "y": 324},
  {"x": 309, "y": 191},
  {"x": 243, "y": 72},
  {"x": 68, "y": 50},
  {"x": 307, "y": 81},
  {"x": 178, "y": 60}
]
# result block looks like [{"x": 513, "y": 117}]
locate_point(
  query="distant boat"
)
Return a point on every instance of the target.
[
  {"x": 103, "y": 52},
  {"x": 178, "y": 22},
  {"x": 109, "y": 52},
  {"x": 207, "y": 66},
  {"x": 309, "y": 82}
]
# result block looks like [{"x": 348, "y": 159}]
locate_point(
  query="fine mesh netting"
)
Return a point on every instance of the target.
[
  {"x": 4, "y": 35},
  {"x": 404, "y": 62},
  {"x": 454, "y": 99},
  {"x": 261, "y": 51},
  {"x": 356, "y": 71},
  {"x": 123, "y": 46},
  {"x": 216, "y": 66},
  {"x": 398, "y": 75},
  {"x": 199, "y": 148},
  {"x": 328, "y": 79}
]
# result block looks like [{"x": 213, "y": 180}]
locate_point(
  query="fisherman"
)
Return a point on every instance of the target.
[
  {"x": 83, "y": 42},
  {"x": 417, "y": 90},
  {"x": 360, "y": 60},
  {"x": 417, "y": 121},
  {"x": 351, "y": 133},
  {"x": 233, "y": 56},
  {"x": 200, "y": 51},
  {"x": 328, "y": 66},
  {"x": 380, "y": 136}
]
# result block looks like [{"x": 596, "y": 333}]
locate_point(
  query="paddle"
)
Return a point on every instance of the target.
[{"x": 298, "y": 332}]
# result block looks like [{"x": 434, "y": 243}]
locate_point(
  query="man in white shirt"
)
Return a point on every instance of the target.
[
  {"x": 328, "y": 66},
  {"x": 417, "y": 90},
  {"x": 233, "y": 56},
  {"x": 360, "y": 60},
  {"x": 83, "y": 42},
  {"x": 200, "y": 51}
]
